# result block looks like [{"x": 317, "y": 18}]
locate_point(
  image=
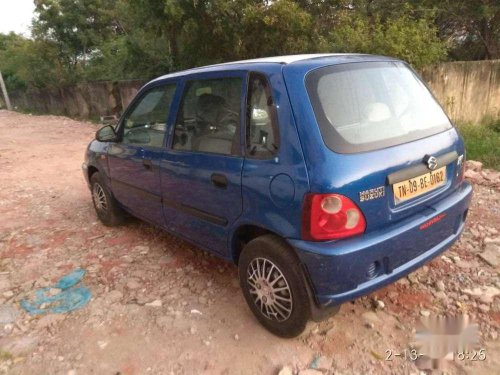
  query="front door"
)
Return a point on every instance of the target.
[
  {"x": 201, "y": 171},
  {"x": 134, "y": 161}
]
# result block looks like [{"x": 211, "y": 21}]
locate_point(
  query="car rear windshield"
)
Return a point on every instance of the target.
[{"x": 368, "y": 106}]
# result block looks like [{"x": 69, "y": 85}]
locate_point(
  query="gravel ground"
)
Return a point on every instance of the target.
[{"x": 162, "y": 306}]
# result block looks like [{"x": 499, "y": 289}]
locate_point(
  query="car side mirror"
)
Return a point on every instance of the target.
[{"x": 106, "y": 134}]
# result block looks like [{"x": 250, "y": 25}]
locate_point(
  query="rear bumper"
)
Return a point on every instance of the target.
[{"x": 344, "y": 270}]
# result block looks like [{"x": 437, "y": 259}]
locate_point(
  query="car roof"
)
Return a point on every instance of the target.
[{"x": 313, "y": 60}]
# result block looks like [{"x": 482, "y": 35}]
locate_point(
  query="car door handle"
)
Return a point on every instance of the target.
[
  {"x": 147, "y": 164},
  {"x": 219, "y": 180}
]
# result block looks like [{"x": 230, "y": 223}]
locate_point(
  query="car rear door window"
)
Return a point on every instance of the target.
[
  {"x": 209, "y": 117},
  {"x": 262, "y": 138},
  {"x": 146, "y": 123}
]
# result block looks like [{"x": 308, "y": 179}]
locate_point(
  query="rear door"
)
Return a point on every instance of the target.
[
  {"x": 201, "y": 169},
  {"x": 134, "y": 161}
]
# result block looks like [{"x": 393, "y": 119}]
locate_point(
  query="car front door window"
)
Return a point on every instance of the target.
[{"x": 146, "y": 123}]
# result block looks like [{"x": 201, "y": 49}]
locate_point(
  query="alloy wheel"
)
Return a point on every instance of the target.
[
  {"x": 99, "y": 196},
  {"x": 269, "y": 289}
]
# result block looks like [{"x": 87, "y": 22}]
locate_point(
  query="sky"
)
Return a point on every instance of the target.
[{"x": 15, "y": 15}]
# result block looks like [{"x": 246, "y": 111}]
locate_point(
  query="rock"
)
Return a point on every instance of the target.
[
  {"x": 8, "y": 294},
  {"x": 142, "y": 299},
  {"x": 484, "y": 308},
  {"x": 488, "y": 292},
  {"x": 102, "y": 344},
  {"x": 493, "y": 231},
  {"x": 310, "y": 371},
  {"x": 237, "y": 337},
  {"x": 380, "y": 304},
  {"x": 440, "y": 285},
  {"x": 488, "y": 240},
  {"x": 155, "y": 303},
  {"x": 49, "y": 320},
  {"x": 143, "y": 250},
  {"x": 7, "y": 328},
  {"x": 53, "y": 291},
  {"x": 473, "y": 165},
  {"x": 474, "y": 232},
  {"x": 133, "y": 284},
  {"x": 285, "y": 371},
  {"x": 486, "y": 299},
  {"x": 425, "y": 313},
  {"x": 412, "y": 277},
  {"x": 369, "y": 325},
  {"x": 8, "y": 314},
  {"x": 473, "y": 176},
  {"x": 441, "y": 295},
  {"x": 114, "y": 296},
  {"x": 491, "y": 255},
  {"x": 193, "y": 330},
  {"x": 370, "y": 317}
]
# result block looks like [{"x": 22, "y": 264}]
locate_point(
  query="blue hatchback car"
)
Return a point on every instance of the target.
[{"x": 323, "y": 177}]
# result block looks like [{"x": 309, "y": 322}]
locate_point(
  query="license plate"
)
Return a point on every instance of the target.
[{"x": 413, "y": 187}]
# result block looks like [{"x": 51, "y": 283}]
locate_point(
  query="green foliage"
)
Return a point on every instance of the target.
[
  {"x": 29, "y": 62},
  {"x": 412, "y": 40},
  {"x": 276, "y": 29},
  {"x": 78, "y": 40},
  {"x": 483, "y": 142},
  {"x": 76, "y": 27},
  {"x": 472, "y": 27}
]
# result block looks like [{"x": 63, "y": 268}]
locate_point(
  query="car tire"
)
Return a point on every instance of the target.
[
  {"x": 106, "y": 207},
  {"x": 273, "y": 285}
]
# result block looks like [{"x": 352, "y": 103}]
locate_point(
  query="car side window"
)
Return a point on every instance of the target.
[
  {"x": 209, "y": 117},
  {"x": 262, "y": 131},
  {"x": 146, "y": 123}
]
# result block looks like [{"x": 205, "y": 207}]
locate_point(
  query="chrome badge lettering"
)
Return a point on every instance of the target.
[{"x": 370, "y": 194}]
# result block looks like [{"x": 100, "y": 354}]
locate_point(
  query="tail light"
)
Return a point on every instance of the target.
[{"x": 330, "y": 216}]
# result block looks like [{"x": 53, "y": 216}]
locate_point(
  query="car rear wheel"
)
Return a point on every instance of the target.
[
  {"x": 273, "y": 285},
  {"x": 106, "y": 207}
]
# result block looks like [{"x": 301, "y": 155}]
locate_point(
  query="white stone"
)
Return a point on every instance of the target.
[{"x": 155, "y": 303}]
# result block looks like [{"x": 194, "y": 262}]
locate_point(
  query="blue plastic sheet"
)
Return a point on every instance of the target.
[{"x": 70, "y": 298}]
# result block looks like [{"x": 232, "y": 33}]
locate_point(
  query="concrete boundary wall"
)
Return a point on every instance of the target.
[
  {"x": 86, "y": 100},
  {"x": 468, "y": 90}
]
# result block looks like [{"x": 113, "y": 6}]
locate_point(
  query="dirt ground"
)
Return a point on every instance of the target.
[{"x": 162, "y": 306}]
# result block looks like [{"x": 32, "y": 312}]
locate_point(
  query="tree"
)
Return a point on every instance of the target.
[
  {"x": 29, "y": 62},
  {"x": 471, "y": 27},
  {"x": 280, "y": 27},
  {"x": 411, "y": 40},
  {"x": 75, "y": 40},
  {"x": 76, "y": 27}
]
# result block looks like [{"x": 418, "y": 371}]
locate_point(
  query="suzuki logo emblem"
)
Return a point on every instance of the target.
[{"x": 432, "y": 162}]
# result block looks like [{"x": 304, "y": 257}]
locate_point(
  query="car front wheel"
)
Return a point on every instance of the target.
[
  {"x": 106, "y": 207},
  {"x": 273, "y": 285}
]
